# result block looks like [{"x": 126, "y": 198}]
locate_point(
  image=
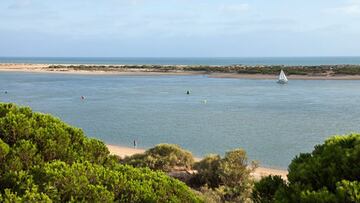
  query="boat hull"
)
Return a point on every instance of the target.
[{"x": 282, "y": 82}]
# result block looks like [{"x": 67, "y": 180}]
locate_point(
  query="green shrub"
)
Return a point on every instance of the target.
[
  {"x": 164, "y": 157},
  {"x": 211, "y": 195},
  {"x": 208, "y": 172},
  {"x": 94, "y": 183},
  {"x": 336, "y": 160},
  {"x": 329, "y": 174},
  {"x": 228, "y": 177},
  {"x": 49, "y": 138},
  {"x": 320, "y": 196},
  {"x": 31, "y": 195},
  {"x": 348, "y": 191},
  {"x": 43, "y": 160},
  {"x": 234, "y": 170},
  {"x": 264, "y": 190},
  {"x": 4, "y": 149}
]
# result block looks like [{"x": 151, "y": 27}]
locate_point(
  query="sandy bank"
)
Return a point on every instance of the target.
[
  {"x": 259, "y": 172},
  {"x": 44, "y": 68},
  {"x": 124, "y": 151}
]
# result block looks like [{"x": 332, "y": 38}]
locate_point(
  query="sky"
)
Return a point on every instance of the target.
[{"x": 179, "y": 28}]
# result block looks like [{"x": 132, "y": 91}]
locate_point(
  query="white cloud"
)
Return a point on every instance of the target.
[
  {"x": 235, "y": 8},
  {"x": 351, "y": 8}
]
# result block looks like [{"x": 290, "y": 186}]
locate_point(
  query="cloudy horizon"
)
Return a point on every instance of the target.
[{"x": 180, "y": 28}]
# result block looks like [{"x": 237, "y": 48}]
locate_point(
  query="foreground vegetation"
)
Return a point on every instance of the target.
[
  {"x": 331, "y": 173},
  {"x": 224, "y": 179},
  {"x": 320, "y": 70},
  {"x": 43, "y": 159}
]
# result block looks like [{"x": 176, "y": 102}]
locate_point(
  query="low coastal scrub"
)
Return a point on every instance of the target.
[
  {"x": 331, "y": 173},
  {"x": 164, "y": 157},
  {"x": 264, "y": 190},
  {"x": 43, "y": 159},
  {"x": 316, "y": 70},
  {"x": 228, "y": 178},
  {"x": 219, "y": 179}
]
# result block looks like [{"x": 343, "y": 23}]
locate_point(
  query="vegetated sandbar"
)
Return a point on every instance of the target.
[
  {"x": 257, "y": 174},
  {"x": 315, "y": 72}
]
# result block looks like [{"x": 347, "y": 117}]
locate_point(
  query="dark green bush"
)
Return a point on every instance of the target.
[
  {"x": 164, "y": 157},
  {"x": 336, "y": 160},
  {"x": 228, "y": 177},
  {"x": 331, "y": 173},
  {"x": 264, "y": 190},
  {"x": 43, "y": 159},
  {"x": 208, "y": 172},
  {"x": 46, "y": 137}
]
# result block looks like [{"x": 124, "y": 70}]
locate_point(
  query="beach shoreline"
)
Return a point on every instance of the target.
[
  {"x": 259, "y": 172},
  {"x": 43, "y": 68},
  {"x": 46, "y": 68}
]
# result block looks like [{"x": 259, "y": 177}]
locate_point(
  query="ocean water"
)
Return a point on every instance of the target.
[
  {"x": 272, "y": 122},
  {"x": 186, "y": 60}
]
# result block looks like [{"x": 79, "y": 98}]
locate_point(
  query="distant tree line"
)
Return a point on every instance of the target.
[{"x": 315, "y": 70}]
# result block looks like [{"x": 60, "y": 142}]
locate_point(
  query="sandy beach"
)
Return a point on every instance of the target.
[
  {"x": 45, "y": 68},
  {"x": 257, "y": 174}
]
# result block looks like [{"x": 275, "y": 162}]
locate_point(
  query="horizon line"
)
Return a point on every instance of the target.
[{"x": 329, "y": 56}]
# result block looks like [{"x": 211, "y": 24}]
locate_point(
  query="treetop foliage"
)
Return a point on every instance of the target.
[
  {"x": 42, "y": 159},
  {"x": 164, "y": 157},
  {"x": 330, "y": 173}
]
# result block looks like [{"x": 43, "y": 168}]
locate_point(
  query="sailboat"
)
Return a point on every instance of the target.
[{"x": 282, "y": 78}]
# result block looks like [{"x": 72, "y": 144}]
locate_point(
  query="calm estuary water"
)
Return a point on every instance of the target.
[{"x": 273, "y": 123}]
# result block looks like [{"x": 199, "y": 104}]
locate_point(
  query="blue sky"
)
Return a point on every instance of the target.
[{"x": 180, "y": 28}]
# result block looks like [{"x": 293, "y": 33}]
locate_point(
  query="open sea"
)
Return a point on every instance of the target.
[
  {"x": 272, "y": 122},
  {"x": 186, "y": 60}
]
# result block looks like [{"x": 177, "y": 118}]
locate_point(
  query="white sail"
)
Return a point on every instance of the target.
[{"x": 282, "y": 78}]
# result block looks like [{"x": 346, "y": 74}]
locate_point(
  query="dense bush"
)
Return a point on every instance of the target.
[
  {"x": 165, "y": 157},
  {"x": 338, "y": 159},
  {"x": 4, "y": 150},
  {"x": 43, "y": 159},
  {"x": 348, "y": 70},
  {"x": 86, "y": 182},
  {"x": 44, "y": 138},
  {"x": 264, "y": 190},
  {"x": 228, "y": 177},
  {"x": 331, "y": 173},
  {"x": 208, "y": 172}
]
